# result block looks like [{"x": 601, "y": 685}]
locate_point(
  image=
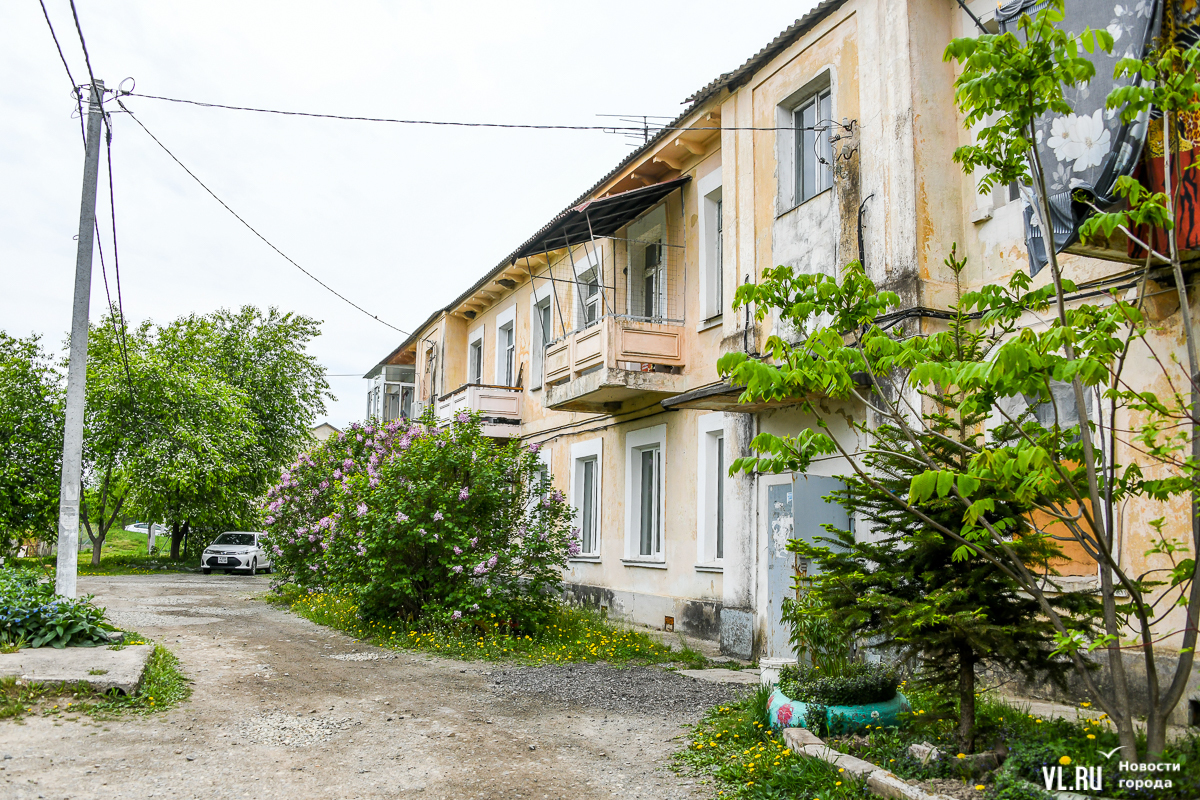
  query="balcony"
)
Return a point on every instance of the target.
[
  {"x": 607, "y": 367},
  {"x": 499, "y": 407}
]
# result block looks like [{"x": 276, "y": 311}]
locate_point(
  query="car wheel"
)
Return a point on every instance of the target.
[
  {"x": 205, "y": 571},
  {"x": 254, "y": 567},
  {"x": 267, "y": 569}
]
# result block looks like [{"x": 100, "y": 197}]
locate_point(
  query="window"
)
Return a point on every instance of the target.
[
  {"x": 649, "y": 518},
  {"x": 644, "y": 492},
  {"x": 654, "y": 280},
  {"x": 475, "y": 356},
  {"x": 589, "y": 299},
  {"x": 506, "y": 347},
  {"x": 585, "y": 494},
  {"x": 539, "y": 323},
  {"x": 647, "y": 271},
  {"x": 391, "y": 397},
  {"x": 711, "y": 477},
  {"x": 814, "y": 156},
  {"x": 711, "y": 238}
]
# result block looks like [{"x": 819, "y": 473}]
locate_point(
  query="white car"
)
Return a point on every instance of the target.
[{"x": 241, "y": 550}]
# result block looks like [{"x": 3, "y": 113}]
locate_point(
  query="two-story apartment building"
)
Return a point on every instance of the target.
[{"x": 598, "y": 336}]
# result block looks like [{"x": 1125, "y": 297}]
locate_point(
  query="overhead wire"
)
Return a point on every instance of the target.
[
  {"x": 459, "y": 124},
  {"x": 252, "y": 229},
  {"x": 122, "y": 344}
]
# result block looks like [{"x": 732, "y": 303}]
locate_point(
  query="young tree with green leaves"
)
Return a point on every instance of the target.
[
  {"x": 31, "y": 431},
  {"x": 902, "y": 585}
]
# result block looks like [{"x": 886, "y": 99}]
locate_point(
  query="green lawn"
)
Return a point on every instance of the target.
[{"x": 124, "y": 553}]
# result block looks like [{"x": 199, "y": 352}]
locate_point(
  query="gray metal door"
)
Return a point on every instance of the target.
[{"x": 794, "y": 510}]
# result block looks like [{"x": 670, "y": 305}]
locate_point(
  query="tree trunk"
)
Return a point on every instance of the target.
[
  {"x": 177, "y": 534},
  {"x": 966, "y": 700},
  {"x": 97, "y": 544}
]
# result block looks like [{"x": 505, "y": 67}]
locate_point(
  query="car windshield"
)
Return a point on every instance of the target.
[{"x": 235, "y": 538}]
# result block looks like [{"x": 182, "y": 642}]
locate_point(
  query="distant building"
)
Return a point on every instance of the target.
[{"x": 323, "y": 431}]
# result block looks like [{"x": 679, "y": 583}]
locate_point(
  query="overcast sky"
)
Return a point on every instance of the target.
[{"x": 400, "y": 219}]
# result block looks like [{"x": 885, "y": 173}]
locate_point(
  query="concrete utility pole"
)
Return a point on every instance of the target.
[{"x": 72, "y": 466}]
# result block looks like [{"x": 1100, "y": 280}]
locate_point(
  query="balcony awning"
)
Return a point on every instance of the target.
[{"x": 596, "y": 218}]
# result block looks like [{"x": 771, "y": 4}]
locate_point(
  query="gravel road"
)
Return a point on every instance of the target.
[{"x": 283, "y": 708}]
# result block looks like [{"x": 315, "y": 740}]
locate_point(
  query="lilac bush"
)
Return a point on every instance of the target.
[{"x": 425, "y": 523}]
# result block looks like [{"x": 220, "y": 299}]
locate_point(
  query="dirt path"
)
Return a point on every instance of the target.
[{"x": 283, "y": 708}]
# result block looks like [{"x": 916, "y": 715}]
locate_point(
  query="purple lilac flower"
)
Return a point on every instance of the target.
[
  {"x": 312, "y": 538},
  {"x": 324, "y": 484},
  {"x": 474, "y": 542},
  {"x": 573, "y": 548},
  {"x": 359, "y": 437},
  {"x": 457, "y": 568},
  {"x": 481, "y": 569},
  {"x": 421, "y": 531},
  {"x": 401, "y": 516},
  {"x": 463, "y": 494},
  {"x": 491, "y": 562},
  {"x": 348, "y": 464},
  {"x": 361, "y": 510},
  {"x": 270, "y": 520},
  {"x": 533, "y": 447},
  {"x": 313, "y": 567},
  {"x": 337, "y": 474},
  {"x": 277, "y": 550},
  {"x": 463, "y": 416},
  {"x": 475, "y": 607},
  {"x": 489, "y": 591},
  {"x": 437, "y": 516},
  {"x": 456, "y": 615},
  {"x": 441, "y": 444},
  {"x": 457, "y": 550},
  {"x": 373, "y": 483},
  {"x": 557, "y": 495}
]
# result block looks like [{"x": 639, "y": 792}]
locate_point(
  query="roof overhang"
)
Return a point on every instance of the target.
[{"x": 597, "y": 218}]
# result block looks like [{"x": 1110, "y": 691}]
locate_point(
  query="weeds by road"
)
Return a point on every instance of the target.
[
  {"x": 574, "y": 635},
  {"x": 744, "y": 759}
]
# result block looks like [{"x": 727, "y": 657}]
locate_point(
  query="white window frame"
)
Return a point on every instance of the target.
[
  {"x": 710, "y": 437},
  {"x": 643, "y": 230},
  {"x": 590, "y": 450},
  {"x": 538, "y": 337},
  {"x": 712, "y": 301},
  {"x": 587, "y": 269},
  {"x": 637, "y": 442},
  {"x": 788, "y": 193},
  {"x": 506, "y": 357},
  {"x": 473, "y": 337}
]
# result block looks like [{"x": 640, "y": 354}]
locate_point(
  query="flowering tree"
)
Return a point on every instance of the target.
[{"x": 426, "y": 523}]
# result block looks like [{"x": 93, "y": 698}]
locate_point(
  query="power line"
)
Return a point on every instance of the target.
[
  {"x": 251, "y": 228},
  {"x": 638, "y": 129},
  {"x": 74, "y": 86}
]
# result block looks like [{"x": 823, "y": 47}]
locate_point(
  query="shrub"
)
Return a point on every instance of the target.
[
  {"x": 30, "y": 613},
  {"x": 424, "y": 523},
  {"x": 859, "y": 684}
]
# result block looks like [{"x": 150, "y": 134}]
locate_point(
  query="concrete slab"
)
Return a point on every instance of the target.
[
  {"x": 100, "y": 667},
  {"x": 746, "y": 676}
]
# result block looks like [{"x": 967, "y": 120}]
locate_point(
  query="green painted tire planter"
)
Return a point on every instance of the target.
[{"x": 784, "y": 712}]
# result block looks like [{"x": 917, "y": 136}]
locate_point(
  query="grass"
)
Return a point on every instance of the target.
[
  {"x": 163, "y": 687},
  {"x": 124, "y": 553},
  {"x": 734, "y": 751},
  {"x": 576, "y": 635}
]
